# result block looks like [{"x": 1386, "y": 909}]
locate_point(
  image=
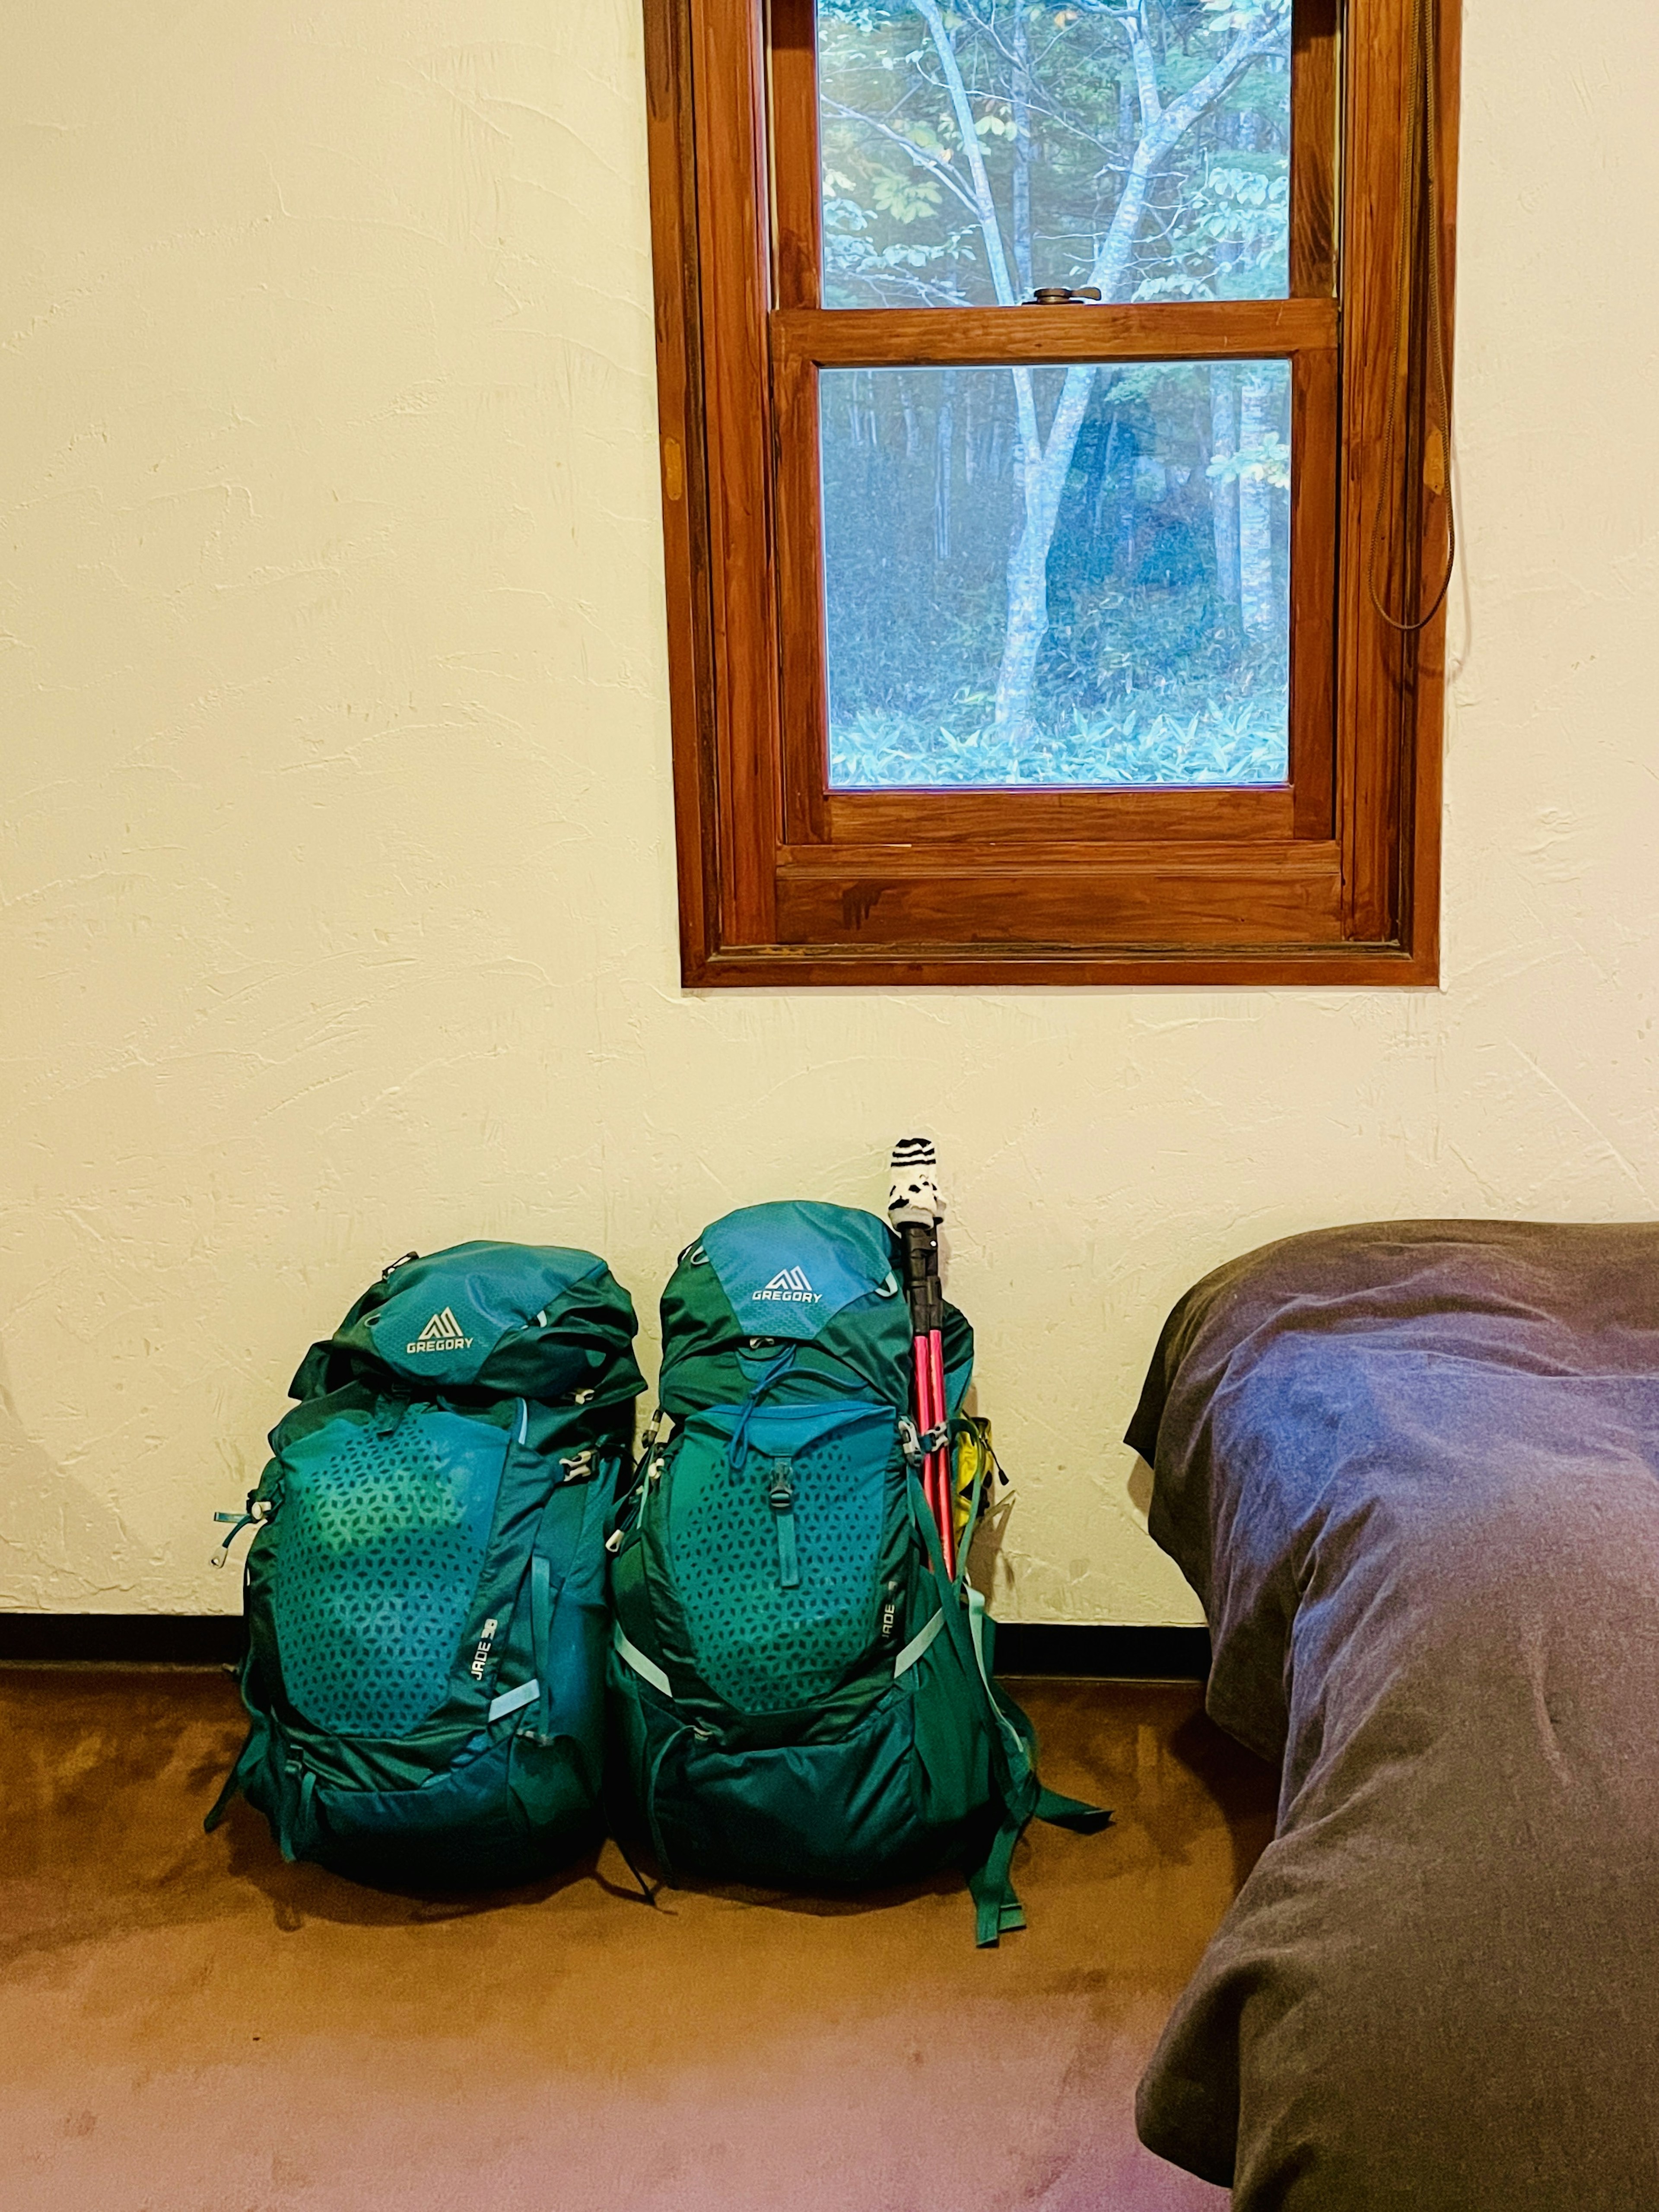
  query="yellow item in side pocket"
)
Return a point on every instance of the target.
[{"x": 975, "y": 1473}]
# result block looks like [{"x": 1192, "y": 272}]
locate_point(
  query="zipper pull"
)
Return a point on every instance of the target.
[
  {"x": 630, "y": 1508},
  {"x": 780, "y": 1497},
  {"x": 250, "y": 1517}
]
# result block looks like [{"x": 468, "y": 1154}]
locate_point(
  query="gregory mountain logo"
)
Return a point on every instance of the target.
[
  {"x": 442, "y": 1334},
  {"x": 790, "y": 1286}
]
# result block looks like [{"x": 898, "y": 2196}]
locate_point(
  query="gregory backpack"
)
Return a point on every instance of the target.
[
  {"x": 800, "y": 1694},
  {"x": 425, "y": 1588}
]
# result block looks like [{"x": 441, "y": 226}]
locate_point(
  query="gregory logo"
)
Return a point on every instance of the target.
[
  {"x": 790, "y": 1287},
  {"x": 442, "y": 1334}
]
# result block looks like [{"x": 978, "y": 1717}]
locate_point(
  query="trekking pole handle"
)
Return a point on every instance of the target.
[
  {"x": 921, "y": 1253},
  {"x": 912, "y": 1194}
]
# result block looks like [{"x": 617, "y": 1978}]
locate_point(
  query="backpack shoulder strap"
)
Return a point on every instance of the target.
[{"x": 997, "y": 1907}]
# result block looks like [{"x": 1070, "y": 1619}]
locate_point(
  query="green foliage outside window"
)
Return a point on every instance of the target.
[{"x": 1079, "y": 575}]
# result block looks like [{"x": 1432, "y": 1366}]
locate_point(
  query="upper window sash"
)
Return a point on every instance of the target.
[{"x": 942, "y": 134}]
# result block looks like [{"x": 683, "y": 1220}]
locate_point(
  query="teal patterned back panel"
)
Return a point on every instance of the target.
[
  {"x": 763, "y": 1648},
  {"x": 382, "y": 1533}
]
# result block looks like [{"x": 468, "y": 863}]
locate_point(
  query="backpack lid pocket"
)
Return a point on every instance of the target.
[
  {"x": 789, "y": 1268},
  {"x": 523, "y": 1321}
]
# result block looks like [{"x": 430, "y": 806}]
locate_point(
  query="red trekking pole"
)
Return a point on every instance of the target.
[{"x": 915, "y": 1209}]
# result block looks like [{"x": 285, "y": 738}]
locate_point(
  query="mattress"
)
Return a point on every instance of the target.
[{"x": 1411, "y": 1471}]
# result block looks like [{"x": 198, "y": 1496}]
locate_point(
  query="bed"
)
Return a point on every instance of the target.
[{"x": 1412, "y": 1470}]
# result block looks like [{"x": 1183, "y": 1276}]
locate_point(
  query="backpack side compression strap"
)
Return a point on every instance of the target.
[
  {"x": 997, "y": 1907},
  {"x": 512, "y": 1701},
  {"x": 921, "y": 1643},
  {"x": 631, "y": 1656}
]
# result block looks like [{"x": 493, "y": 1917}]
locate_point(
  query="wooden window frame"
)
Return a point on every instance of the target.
[{"x": 1331, "y": 879}]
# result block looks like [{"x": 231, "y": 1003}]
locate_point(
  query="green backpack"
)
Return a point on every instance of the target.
[
  {"x": 800, "y": 1694},
  {"x": 425, "y": 1589}
]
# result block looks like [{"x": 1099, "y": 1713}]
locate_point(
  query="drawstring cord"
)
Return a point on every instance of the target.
[{"x": 737, "y": 1452}]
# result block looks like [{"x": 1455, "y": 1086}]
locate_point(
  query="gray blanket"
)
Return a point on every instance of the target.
[{"x": 1410, "y": 1468}]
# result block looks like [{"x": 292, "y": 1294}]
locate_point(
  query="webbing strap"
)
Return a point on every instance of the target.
[
  {"x": 917, "y": 1644},
  {"x": 997, "y": 1909},
  {"x": 1073, "y": 1813},
  {"x": 788, "y": 1553},
  {"x": 631, "y": 1656},
  {"x": 295, "y": 1822},
  {"x": 1016, "y": 1743},
  {"x": 252, "y": 1752},
  {"x": 541, "y": 1634},
  {"x": 652, "y": 1822},
  {"x": 221, "y": 1802},
  {"x": 512, "y": 1701}
]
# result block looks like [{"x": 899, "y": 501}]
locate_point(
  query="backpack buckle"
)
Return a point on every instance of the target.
[
  {"x": 920, "y": 1444},
  {"x": 780, "y": 1497}
]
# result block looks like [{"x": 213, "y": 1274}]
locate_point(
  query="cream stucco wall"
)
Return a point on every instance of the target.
[{"x": 337, "y": 860}]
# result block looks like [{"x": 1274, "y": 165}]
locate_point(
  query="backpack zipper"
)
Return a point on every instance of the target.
[
  {"x": 647, "y": 1474},
  {"x": 780, "y": 1497}
]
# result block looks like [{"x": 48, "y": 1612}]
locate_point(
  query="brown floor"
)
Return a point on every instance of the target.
[{"x": 187, "y": 2025}]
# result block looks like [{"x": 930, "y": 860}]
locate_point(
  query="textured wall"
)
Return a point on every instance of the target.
[{"x": 337, "y": 853}]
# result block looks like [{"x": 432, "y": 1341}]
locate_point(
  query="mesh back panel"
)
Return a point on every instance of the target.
[
  {"x": 761, "y": 1647},
  {"x": 382, "y": 1539}
]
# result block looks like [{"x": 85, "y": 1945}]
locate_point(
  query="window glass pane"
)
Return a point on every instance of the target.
[
  {"x": 1117, "y": 614},
  {"x": 973, "y": 151}
]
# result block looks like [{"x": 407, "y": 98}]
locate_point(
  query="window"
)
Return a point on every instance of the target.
[{"x": 1055, "y": 435}]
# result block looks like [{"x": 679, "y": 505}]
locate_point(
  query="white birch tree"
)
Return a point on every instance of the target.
[{"x": 1248, "y": 31}]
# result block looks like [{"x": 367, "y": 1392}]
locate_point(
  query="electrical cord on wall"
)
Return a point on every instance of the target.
[{"x": 1421, "y": 165}]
